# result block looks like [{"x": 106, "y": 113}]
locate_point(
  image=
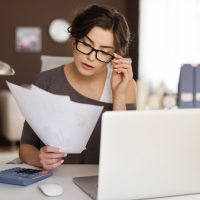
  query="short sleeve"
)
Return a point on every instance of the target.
[{"x": 29, "y": 136}]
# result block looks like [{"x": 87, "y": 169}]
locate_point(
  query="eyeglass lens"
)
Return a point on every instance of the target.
[{"x": 87, "y": 49}]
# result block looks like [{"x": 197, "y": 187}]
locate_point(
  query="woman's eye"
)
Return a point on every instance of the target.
[
  {"x": 86, "y": 44},
  {"x": 106, "y": 53}
]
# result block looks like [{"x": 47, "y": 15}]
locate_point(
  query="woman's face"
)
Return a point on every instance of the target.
[{"x": 99, "y": 39}]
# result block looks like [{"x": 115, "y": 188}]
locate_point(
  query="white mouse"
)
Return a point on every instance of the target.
[{"x": 51, "y": 189}]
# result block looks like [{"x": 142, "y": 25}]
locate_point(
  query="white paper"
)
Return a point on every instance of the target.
[{"x": 58, "y": 121}]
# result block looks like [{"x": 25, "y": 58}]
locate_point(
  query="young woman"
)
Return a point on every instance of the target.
[{"x": 99, "y": 75}]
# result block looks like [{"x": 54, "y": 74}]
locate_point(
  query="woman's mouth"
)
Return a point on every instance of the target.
[{"x": 87, "y": 67}]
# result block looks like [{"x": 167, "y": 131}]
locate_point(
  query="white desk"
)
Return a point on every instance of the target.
[{"x": 63, "y": 175}]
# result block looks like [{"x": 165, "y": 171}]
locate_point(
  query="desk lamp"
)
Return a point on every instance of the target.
[{"x": 5, "y": 69}]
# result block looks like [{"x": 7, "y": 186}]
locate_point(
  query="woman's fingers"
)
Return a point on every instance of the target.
[
  {"x": 51, "y": 161},
  {"x": 52, "y": 166},
  {"x": 123, "y": 66},
  {"x": 122, "y": 63},
  {"x": 117, "y": 55},
  {"x": 51, "y": 157},
  {"x": 55, "y": 155},
  {"x": 119, "y": 59},
  {"x": 126, "y": 74},
  {"x": 49, "y": 149}
]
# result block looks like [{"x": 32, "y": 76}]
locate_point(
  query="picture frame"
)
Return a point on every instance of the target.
[{"x": 28, "y": 39}]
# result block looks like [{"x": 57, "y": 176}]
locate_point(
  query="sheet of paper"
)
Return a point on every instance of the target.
[
  {"x": 57, "y": 120},
  {"x": 34, "y": 88}
]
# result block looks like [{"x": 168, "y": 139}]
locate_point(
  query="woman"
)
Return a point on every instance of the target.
[{"x": 99, "y": 75}]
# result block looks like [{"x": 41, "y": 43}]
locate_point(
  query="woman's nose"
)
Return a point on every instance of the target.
[{"x": 92, "y": 56}]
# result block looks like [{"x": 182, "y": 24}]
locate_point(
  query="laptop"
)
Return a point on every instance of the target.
[{"x": 147, "y": 154}]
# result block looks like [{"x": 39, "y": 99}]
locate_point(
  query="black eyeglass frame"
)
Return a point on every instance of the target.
[{"x": 93, "y": 49}]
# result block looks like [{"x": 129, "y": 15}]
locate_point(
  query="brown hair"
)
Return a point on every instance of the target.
[{"x": 106, "y": 18}]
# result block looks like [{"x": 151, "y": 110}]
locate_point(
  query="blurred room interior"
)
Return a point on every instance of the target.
[
  {"x": 165, "y": 35},
  {"x": 16, "y": 15}
]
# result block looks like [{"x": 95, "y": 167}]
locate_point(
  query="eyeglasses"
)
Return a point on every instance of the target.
[{"x": 86, "y": 49}]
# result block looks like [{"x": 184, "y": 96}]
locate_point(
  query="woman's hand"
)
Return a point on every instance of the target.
[
  {"x": 51, "y": 157},
  {"x": 122, "y": 75}
]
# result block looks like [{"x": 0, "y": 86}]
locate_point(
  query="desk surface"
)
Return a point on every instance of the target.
[{"x": 63, "y": 175}]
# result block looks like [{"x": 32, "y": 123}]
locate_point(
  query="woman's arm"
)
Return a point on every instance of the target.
[
  {"x": 123, "y": 86},
  {"x": 29, "y": 154},
  {"x": 47, "y": 157},
  {"x": 120, "y": 102}
]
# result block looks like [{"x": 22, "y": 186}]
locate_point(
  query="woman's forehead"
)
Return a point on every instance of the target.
[{"x": 100, "y": 36}]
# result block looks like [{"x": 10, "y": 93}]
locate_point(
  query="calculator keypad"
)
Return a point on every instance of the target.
[{"x": 22, "y": 176}]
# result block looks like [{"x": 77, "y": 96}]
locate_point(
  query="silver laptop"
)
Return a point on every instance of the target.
[{"x": 147, "y": 154}]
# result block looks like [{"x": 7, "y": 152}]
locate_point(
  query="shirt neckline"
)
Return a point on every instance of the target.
[{"x": 79, "y": 94}]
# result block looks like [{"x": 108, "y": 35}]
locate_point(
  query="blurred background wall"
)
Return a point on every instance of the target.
[{"x": 37, "y": 13}]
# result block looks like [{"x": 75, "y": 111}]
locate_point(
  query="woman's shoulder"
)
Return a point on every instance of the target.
[
  {"x": 45, "y": 77},
  {"x": 50, "y": 72}
]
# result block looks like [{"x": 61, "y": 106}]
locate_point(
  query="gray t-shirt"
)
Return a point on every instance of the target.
[{"x": 55, "y": 81}]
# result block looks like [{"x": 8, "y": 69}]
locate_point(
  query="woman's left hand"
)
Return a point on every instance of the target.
[{"x": 122, "y": 75}]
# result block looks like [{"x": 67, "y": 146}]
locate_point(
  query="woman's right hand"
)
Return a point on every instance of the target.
[{"x": 51, "y": 157}]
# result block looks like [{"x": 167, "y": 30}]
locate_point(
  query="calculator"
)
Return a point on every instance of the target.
[{"x": 22, "y": 176}]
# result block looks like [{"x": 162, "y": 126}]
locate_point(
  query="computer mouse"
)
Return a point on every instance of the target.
[{"x": 51, "y": 189}]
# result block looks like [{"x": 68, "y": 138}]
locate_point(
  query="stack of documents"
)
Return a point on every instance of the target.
[{"x": 57, "y": 121}]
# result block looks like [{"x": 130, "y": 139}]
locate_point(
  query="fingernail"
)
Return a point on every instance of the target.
[
  {"x": 61, "y": 150},
  {"x": 44, "y": 172},
  {"x": 65, "y": 154},
  {"x": 61, "y": 161}
]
